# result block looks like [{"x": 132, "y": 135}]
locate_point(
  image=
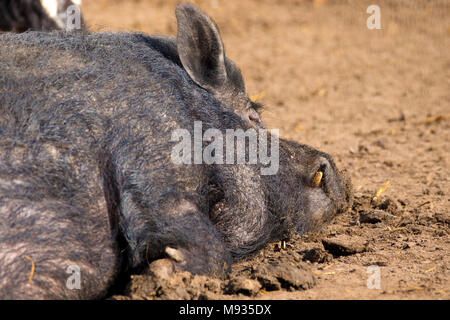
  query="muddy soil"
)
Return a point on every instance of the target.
[{"x": 377, "y": 100}]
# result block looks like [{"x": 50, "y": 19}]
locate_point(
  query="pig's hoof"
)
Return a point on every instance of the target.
[{"x": 176, "y": 255}]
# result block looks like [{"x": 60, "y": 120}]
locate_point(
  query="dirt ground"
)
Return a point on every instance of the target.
[{"x": 377, "y": 100}]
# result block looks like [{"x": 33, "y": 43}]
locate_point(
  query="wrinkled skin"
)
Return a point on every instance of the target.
[{"x": 86, "y": 176}]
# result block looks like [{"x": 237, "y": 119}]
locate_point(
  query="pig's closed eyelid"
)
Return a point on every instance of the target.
[
  {"x": 253, "y": 115},
  {"x": 256, "y": 106}
]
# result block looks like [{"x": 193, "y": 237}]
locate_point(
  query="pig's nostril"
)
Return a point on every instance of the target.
[{"x": 318, "y": 177}]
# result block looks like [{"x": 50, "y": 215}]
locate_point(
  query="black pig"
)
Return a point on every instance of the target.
[{"x": 87, "y": 177}]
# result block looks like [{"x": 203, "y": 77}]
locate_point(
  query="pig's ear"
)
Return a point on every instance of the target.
[{"x": 200, "y": 48}]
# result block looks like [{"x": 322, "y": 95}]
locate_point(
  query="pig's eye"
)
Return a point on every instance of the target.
[{"x": 253, "y": 112}]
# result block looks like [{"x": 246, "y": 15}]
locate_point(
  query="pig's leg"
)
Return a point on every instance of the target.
[
  {"x": 48, "y": 252},
  {"x": 177, "y": 229},
  {"x": 55, "y": 238}
]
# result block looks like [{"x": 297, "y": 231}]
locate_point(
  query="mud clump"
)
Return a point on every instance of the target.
[
  {"x": 276, "y": 277},
  {"x": 387, "y": 204},
  {"x": 365, "y": 202},
  {"x": 375, "y": 216},
  {"x": 164, "y": 282},
  {"x": 242, "y": 285},
  {"x": 318, "y": 255},
  {"x": 344, "y": 245},
  {"x": 442, "y": 218},
  {"x": 374, "y": 211}
]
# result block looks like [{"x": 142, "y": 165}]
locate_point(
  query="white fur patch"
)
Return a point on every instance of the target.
[{"x": 51, "y": 7}]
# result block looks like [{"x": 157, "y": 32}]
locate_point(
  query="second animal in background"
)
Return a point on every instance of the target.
[{"x": 40, "y": 15}]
